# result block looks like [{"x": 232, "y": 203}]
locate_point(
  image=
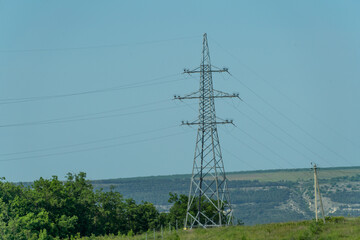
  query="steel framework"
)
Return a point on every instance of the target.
[{"x": 209, "y": 200}]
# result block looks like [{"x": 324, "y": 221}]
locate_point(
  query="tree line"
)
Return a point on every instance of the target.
[{"x": 53, "y": 209}]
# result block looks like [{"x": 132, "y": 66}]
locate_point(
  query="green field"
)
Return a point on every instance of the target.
[
  {"x": 336, "y": 228},
  {"x": 293, "y": 175}
]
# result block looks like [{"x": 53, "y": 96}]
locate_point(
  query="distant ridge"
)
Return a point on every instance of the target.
[
  {"x": 180, "y": 176},
  {"x": 261, "y": 196}
]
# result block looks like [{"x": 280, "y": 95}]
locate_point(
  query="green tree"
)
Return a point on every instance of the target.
[
  {"x": 51, "y": 208},
  {"x": 178, "y": 210},
  {"x": 80, "y": 202},
  {"x": 110, "y": 216}
]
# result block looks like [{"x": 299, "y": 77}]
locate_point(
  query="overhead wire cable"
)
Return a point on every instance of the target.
[
  {"x": 284, "y": 142},
  {"x": 289, "y": 135},
  {"x": 265, "y": 146},
  {"x": 286, "y": 96},
  {"x": 283, "y": 115},
  {"x": 255, "y": 169},
  {"x": 77, "y": 118},
  {"x": 87, "y": 143},
  {"x": 287, "y": 118},
  {"x": 233, "y": 136},
  {"x": 272, "y": 134},
  {"x": 253, "y": 149},
  {"x": 96, "y": 46},
  {"x": 243, "y": 142},
  {"x": 115, "y": 88},
  {"x": 304, "y": 174},
  {"x": 258, "y": 152},
  {"x": 92, "y": 149}
]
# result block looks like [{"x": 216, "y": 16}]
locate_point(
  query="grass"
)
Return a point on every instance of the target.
[
  {"x": 335, "y": 228},
  {"x": 260, "y": 175},
  {"x": 293, "y": 174}
]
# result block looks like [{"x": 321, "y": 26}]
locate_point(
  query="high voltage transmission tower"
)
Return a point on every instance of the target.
[{"x": 208, "y": 186}]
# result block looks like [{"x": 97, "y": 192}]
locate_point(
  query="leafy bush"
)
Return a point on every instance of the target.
[
  {"x": 316, "y": 227},
  {"x": 50, "y": 208},
  {"x": 335, "y": 219}
]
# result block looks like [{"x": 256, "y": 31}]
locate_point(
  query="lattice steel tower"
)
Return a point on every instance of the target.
[{"x": 209, "y": 201}]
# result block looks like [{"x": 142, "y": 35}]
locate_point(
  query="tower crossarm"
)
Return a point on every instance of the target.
[
  {"x": 193, "y": 95},
  {"x": 216, "y": 95},
  {"x": 210, "y": 123},
  {"x": 220, "y": 94},
  {"x": 206, "y": 71}
]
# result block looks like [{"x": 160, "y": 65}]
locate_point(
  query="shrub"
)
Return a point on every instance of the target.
[{"x": 316, "y": 227}]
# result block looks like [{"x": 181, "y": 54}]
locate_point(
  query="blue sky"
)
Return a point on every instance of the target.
[{"x": 294, "y": 63}]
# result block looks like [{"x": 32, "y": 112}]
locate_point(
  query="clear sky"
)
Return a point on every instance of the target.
[{"x": 88, "y": 85}]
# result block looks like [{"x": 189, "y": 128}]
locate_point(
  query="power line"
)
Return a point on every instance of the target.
[
  {"x": 291, "y": 136},
  {"x": 288, "y": 134},
  {"x": 291, "y": 121},
  {"x": 254, "y": 139},
  {"x": 115, "y": 88},
  {"x": 95, "y": 46},
  {"x": 296, "y": 104},
  {"x": 273, "y": 135},
  {"x": 262, "y": 144},
  {"x": 265, "y": 146},
  {"x": 256, "y": 169},
  {"x": 80, "y": 118},
  {"x": 93, "y": 149},
  {"x": 87, "y": 143},
  {"x": 287, "y": 118},
  {"x": 253, "y": 149}
]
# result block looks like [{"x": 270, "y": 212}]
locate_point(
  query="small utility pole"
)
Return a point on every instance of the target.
[{"x": 317, "y": 192}]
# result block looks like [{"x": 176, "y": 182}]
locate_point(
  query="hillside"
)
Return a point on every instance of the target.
[
  {"x": 335, "y": 228},
  {"x": 259, "y": 196}
]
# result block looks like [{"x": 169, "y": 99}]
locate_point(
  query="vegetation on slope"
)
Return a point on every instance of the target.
[
  {"x": 336, "y": 228},
  {"x": 259, "y": 196}
]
